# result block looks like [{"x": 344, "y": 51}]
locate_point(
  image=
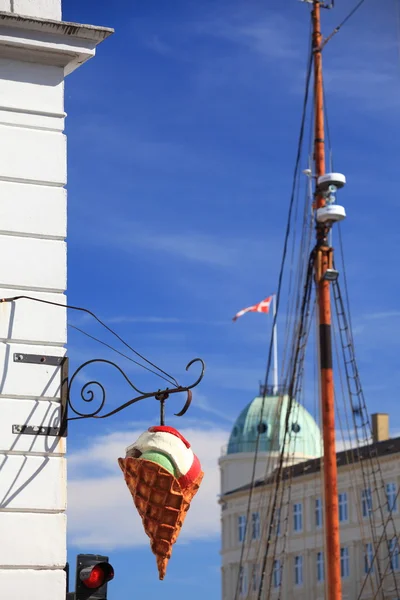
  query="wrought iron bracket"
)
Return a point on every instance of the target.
[{"x": 88, "y": 395}]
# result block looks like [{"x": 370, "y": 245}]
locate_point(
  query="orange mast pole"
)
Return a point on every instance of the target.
[{"x": 324, "y": 262}]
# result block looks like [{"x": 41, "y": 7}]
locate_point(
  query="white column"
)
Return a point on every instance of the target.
[{"x": 35, "y": 55}]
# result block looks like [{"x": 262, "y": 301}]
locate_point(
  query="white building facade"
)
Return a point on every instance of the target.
[
  {"x": 295, "y": 567},
  {"x": 37, "y": 50}
]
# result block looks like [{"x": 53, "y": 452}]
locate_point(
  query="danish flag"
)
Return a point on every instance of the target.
[{"x": 261, "y": 307}]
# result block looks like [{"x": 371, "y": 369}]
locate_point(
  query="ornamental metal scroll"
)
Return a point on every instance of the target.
[{"x": 88, "y": 393}]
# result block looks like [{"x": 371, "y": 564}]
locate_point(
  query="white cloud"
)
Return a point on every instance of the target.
[
  {"x": 390, "y": 314},
  {"x": 201, "y": 402},
  {"x": 193, "y": 246},
  {"x": 100, "y": 508},
  {"x": 157, "y": 45},
  {"x": 157, "y": 320},
  {"x": 267, "y": 33},
  {"x": 348, "y": 441},
  {"x": 203, "y": 248},
  {"x": 372, "y": 87},
  {"x": 125, "y": 319}
]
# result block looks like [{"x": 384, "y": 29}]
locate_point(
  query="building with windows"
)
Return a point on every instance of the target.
[{"x": 368, "y": 487}]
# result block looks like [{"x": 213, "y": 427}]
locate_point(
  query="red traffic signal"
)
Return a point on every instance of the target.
[
  {"x": 93, "y": 572},
  {"x": 96, "y": 576}
]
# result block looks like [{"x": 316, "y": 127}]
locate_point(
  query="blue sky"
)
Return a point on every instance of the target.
[{"x": 182, "y": 136}]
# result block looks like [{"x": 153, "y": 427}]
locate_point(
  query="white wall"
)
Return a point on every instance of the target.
[
  {"x": 33, "y": 223},
  {"x": 236, "y": 469},
  {"x": 32, "y": 262},
  {"x": 45, "y": 9}
]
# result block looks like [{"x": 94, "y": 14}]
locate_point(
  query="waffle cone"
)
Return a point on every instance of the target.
[{"x": 161, "y": 503}]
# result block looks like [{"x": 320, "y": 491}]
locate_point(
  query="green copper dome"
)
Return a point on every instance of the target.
[{"x": 305, "y": 438}]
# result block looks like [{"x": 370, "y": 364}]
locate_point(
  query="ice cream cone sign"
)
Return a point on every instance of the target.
[{"x": 163, "y": 475}]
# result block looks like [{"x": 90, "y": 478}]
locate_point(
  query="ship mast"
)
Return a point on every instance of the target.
[{"x": 323, "y": 264}]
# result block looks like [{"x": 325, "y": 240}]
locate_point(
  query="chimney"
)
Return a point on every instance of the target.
[{"x": 380, "y": 427}]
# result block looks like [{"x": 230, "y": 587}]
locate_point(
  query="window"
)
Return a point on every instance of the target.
[
  {"x": 262, "y": 428},
  {"x": 255, "y": 526},
  {"x": 343, "y": 512},
  {"x": 255, "y": 578},
  {"x": 277, "y": 573},
  {"x": 318, "y": 512},
  {"x": 298, "y": 570},
  {"x": 394, "y": 554},
  {"x": 297, "y": 517},
  {"x": 368, "y": 558},
  {"x": 344, "y": 562},
  {"x": 241, "y": 528},
  {"x": 391, "y": 497},
  {"x": 243, "y": 581},
  {"x": 366, "y": 502},
  {"x": 320, "y": 567}
]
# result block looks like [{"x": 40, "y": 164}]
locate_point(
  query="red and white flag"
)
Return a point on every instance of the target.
[{"x": 261, "y": 307}]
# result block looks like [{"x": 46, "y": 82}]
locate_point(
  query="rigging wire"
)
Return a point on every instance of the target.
[
  {"x": 365, "y": 476},
  {"x": 278, "y": 294},
  {"x": 269, "y": 475},
  {"x": 274, "y": 510},
  {"x": 276, "y": 519},
  {"x": 291, "y": 391},
  {"x": 288, "y": 481},
  {"x": 287, "y": 433},
  {"x": 391, "y": 552},
  {"x": 92, "y": 337},
  {"x": 366, "y": 425},
  {"x": 350, "y": 453},
  {"x": 284, "y": 495},
  {"x": 304, "y": 251},
  {"x": 339, "y": 27},
  {"x": 359, "y": 410},
  {"x": 280, "y": 524},
  {"x": 89, "y": 312},
  {"x": 309, "y": 319},
  {"x": 294, "y": 308},
  {"x": 269, "y": 479},
  {"x": 328, "y": 132}
]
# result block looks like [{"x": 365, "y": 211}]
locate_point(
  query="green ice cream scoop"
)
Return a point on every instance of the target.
[{"x": 160, "y": 459}]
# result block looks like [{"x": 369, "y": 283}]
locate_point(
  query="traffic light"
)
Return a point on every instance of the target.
[{"x": 93, "y": 572}]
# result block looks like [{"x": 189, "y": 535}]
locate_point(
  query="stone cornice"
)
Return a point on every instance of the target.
[{"x": 58, "y": 43}]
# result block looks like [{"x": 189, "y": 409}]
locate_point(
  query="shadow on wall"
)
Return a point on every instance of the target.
[
  {"x": 11, "y": 70},
  {"x": 51, "y": 417}
]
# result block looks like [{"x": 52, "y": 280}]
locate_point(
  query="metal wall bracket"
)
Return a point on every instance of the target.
[
  {"x": 57, "y": 361},
  {"x": 35, "y": 430},
  {"x": 38, "y": 359}
]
